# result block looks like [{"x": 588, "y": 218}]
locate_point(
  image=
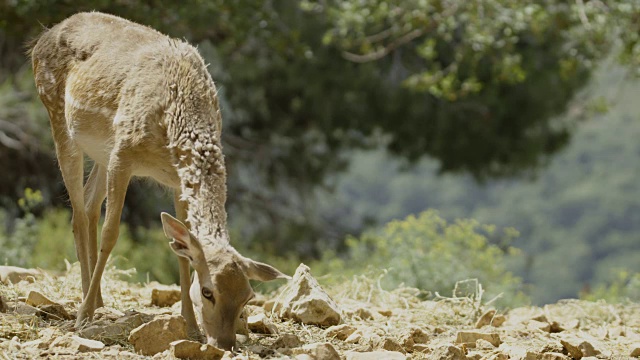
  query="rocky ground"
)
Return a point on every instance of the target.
[{"x": 356, "y": 320}]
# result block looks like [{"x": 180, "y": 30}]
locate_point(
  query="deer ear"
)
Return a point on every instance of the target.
[
  {"x": 182, "y": 244},
  {"x": 263, "y": 272}
]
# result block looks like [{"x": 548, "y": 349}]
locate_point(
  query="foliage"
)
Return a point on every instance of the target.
[
  {"x": 17, "y": 245},
  {"x": 578, "y": 219},
  {"x": 428, "y": 253},
  {"x": 625, "y": 286}
]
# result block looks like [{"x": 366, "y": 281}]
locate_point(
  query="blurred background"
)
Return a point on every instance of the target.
[{"x": 420, "y": 141}]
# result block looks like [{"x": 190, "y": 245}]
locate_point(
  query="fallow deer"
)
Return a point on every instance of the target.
[{"x": 142, "y": 104}]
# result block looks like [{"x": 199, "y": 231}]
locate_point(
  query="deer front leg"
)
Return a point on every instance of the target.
[
  {"x": 95, "y": 191},
  {"x": 118, "y": 176},
  {"x": 185, "y": 278}
]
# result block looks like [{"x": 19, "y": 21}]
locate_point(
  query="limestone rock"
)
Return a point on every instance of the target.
[
  {"x": 287, "y": 341},
  {"x": 635, "y": 350},
  {"x": 53, "y": 312},
  {"x": 484, "y": 344},
  {"x": 107, "y": 313},
  {"x": 498, "y": 356},
  {"x": 165, "y": 296},
  {"x": 187, "y": 349},
  {"x": 421, "y": 348},
  {"x": 553, "y": 356},
  {"x": 359, "y": 313},
  {"x": 413, "y": 336},
  {"x": 14, "y": 274},
  {"x": 304, "y": 301},
  {"x": 77, "y": 343},
  {"x": 36, "y": 299},
  {"x": 354, "y": 338},
  {"x": 578, "y": 348},
  {"x": 318, "y": 351},
  {"x": 156, "y": 336},
  {"x": 385, "y": 312},
  {"x": 118, "y": 331},
  {"x": 392, "y": 345},
  {"x": 24, "y": 309},
  {"x": 539, "y": 325},
  {"x": 261, "y": 324},
  {"x": 485, "y": 319},
  {"x": 470, "y": 337},
  {"x": 374, "y": 355},
  {"x": 340, "y": 332},
  {"x": 447, "y": 352}
]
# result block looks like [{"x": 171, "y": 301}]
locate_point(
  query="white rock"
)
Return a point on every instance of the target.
[
  {"x": 374, "y": 355},
  {"x": 36, "y": 298},
  {"x": 187, "y": 349},
  {"x": 318, "y": 351},
  {"x": 447, "y": 352},
  {"x": 14, "y": 274},
  {"x": 261, "y": 324},
  {"x": 156, "y": 336},
  {"x": 340, "y": 332},
  {"x": 470, "y": 337},
  {"x": 304, "y": 301},
  {"x": 77, "y": 343},
  {"x": 165, "y": 296}
]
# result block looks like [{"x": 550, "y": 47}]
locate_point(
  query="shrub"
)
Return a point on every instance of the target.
[{"x": 431, "y": 254}]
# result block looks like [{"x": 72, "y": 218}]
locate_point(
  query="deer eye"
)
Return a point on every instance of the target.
[{"x": 207, "y": 293}]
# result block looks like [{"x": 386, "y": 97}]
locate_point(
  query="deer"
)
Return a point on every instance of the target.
[{"x": 141, "y": 104}]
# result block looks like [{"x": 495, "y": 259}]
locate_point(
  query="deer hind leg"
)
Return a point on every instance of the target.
[
  {"x": 71, "y": 162},
  {"x": 95, "y": 191},
  {"x": 118, "y": 176},
  {"x": 185, "y": 278}
]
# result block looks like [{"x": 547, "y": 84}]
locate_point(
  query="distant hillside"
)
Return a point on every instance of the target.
[{"x": 579, "y": 219}]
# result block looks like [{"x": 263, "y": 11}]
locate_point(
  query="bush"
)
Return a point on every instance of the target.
[
  {"x": 625, "y": 286},
  {"x": 430, "y": 254}
]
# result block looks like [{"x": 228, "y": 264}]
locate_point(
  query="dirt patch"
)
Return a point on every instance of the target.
[{"x": 393, "y": 324}]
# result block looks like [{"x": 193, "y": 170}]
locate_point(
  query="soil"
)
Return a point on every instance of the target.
[{"x": 373, "y": 320}]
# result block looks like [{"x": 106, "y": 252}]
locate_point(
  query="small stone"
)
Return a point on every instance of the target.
[
  {"x": 77, "y": 343},
  {"x": 578, "y": 348},
  {"x": 392, "y": 345},
  {"x": 156, "y": 336},
  {"x": 552, "y": 356},
  {"x": 498, "y": 320},
  {"x": 187, "y": 349},
  {"x": 36, "y": 299},
  {"x": 53, "y": 312},
  {"x": 354, "y": 338},
  {"x": 474, "y": 355},
  {"x": 14, "y": 274},
  {"x": 485, "y": 319},
  {"x": 470, "y": 337},
  {"x": 112, "y": 333},
  {"x": 268, "y": 305},
  {"x": 318, "y": 351},
  {"x": 24, "y": 309},
  {"x": 374, "y": 355},
  {"x": 484, "y": 344},
  {"x": 261, "y": 324},
  {"x": 539, "y": 325},
  {"x": 107, "y": 313},
  {"x": 360, "y": 314},
  {"x": 3, "y": 305},
  {"x": 260, "y": 350},
  {"x": 635, "y": 350},
  {"x": 421, "y": 348},
  {"x": 385, "y": 312},
  {"x": 540, "y": 317},
  {"x": 286, "y": 341},
  {"x": 447, "y": 352},
  {"x": 498, "y": 356},
  {"x": 413, "y": 336},
  {"x": 340, "y": 332},
  {"x": 165, "y": 296},
  {"x": 304, "y": 301}
]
